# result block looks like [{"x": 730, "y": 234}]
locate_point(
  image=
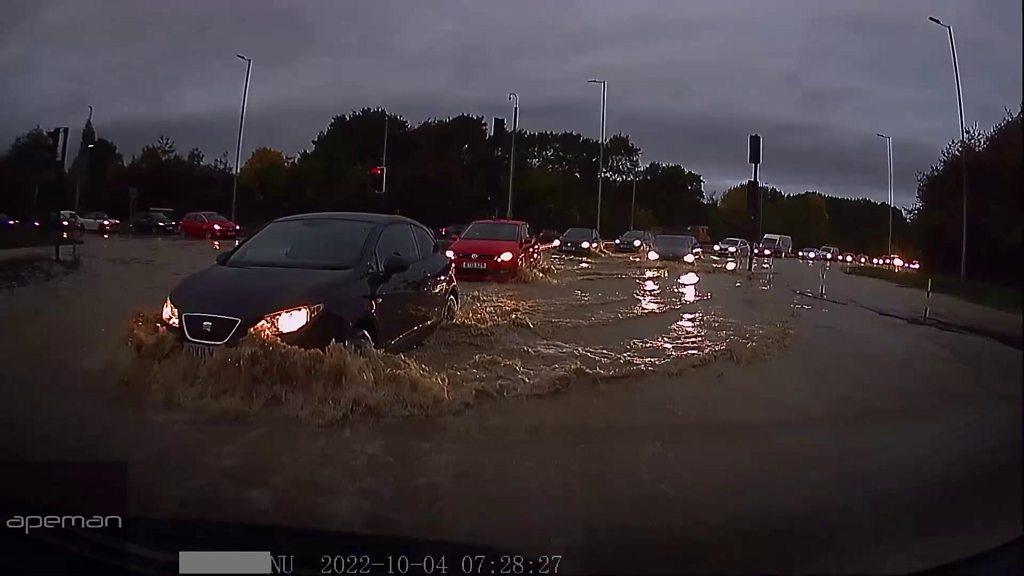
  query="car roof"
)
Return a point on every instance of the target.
[
  {"x": 359, "y": 216},
  {"x": 499, "y": 221}
]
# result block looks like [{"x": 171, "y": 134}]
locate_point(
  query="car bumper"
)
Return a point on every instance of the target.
[
  {"x": 576, "y": 250},
  {"x": 628, "y": 248},
  {"x": 494, "y": 270}
]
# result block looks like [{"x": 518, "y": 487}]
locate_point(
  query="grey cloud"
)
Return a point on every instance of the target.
[{"x": 687, "y": 80}]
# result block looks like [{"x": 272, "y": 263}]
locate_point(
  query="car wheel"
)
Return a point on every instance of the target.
[{"x": 451, "y": 309}]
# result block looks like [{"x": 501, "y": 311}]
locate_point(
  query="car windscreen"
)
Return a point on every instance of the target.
[
  {"x": 683, "y": 242},
  {"x": 313, "y": 243},
  {"x": 214, "y": 217},
  {"x": 769, "y": 241},
  {"x": 632, "y": 234},
  {"x": 159, "y": 217},
  {"x": 491, "y": 231},
  {"x": 584, "y": 233},
  {"x": 730, "y": 242}
]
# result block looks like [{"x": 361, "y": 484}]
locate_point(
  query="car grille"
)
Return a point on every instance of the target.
[
  {"x": 209, "y": 328},
  {"x": 479, "y": 256}
]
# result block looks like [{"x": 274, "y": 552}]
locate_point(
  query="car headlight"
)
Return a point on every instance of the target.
[
  {"x": 288, "y": 321},
  {"x": 828, "y": 255},
  {"x": 810, "y": 254},
  {"x": 636, "y": 243},
  {"x": 767, "y": 252},
  {"x": 216, "y": 226},
  {"x": 449, "y": 253},
  {"x": 556, "y": 243},
  {"x": 652, "y": 255},
  {"x": 849, "y": 258},
  {"x": 505, "y": 257},
  {"x": 897, "y": 262},
  {"x": 732, "y": 248},
  {"x": 616, "y": 241},
  {"x": 717, "y": 247},
  {"x": 170, "y": 313},
  {"x": 585, "y": 244},
  {"x": 106, "y": 222},
  {"x": 689, "y": 259}
]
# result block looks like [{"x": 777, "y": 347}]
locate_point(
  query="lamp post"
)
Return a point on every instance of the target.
[
  {"x": 888, "y": 143},
  {"x": 636, "y": 176},
  {"x": 514, "y": 98},
  {"x": 241, "y": 125},
  {"x": 963, "y": 147},
  {"x": 600, "y": 160}
]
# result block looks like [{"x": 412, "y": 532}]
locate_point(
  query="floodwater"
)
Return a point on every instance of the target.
[{"x": 591, "y": 318}]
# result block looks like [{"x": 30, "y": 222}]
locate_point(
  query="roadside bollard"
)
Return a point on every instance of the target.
[{"x": 927, "y": 299}]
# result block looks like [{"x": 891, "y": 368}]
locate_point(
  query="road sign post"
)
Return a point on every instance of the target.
[{"x": 754, "y": 197}]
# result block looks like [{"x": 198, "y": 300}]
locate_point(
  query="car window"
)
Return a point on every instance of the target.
[
  {"x": 315, "y": 243},
  {"x": 396, "y": 240},
  {"x": 424, "y": 241}
]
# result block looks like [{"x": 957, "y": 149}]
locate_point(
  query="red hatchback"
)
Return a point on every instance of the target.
[
  {"x": 493, "y": 249},
  {"x": 209, "y": 225}
]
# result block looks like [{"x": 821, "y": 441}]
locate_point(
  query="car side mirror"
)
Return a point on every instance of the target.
[
  {"x": 223, "y": 257},
  {"x": 395, "y": 265}
]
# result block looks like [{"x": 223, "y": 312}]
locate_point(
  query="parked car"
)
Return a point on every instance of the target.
[
  {"x": 847, "y": 257},
  {"x": 732, "y": 248},
  {"x": 634, "y": 241},
  {"x": 674, "y": 247},
  {"x": 494, "y": 249},
  {"x": 777, "y": 245},
  {"x": 361, "y": 279},
  {"x": 579, "y": 241},
  {"x": 828, "y": 253},
  {"x": 209, "y": 225},
  {"x": 98, "y": 222},
  {"x": 548, "y": 236},
  {"x": 448, "y": 234},
  {"x": 153, "y": 223},
  {"x": 808, "y": 254},
  {"x": 7, "y": 221}
]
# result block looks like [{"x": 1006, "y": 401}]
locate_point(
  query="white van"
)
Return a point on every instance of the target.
[{"x": 777, "y": 245}]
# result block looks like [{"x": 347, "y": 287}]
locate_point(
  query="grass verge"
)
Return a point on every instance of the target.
[{"x": 998, "y": 297}]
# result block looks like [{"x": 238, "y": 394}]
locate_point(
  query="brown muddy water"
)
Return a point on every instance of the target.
[{"x": 573, "y": 320}]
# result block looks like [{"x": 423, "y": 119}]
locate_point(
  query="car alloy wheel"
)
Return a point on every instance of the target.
[{"x": 451, "y": 309}]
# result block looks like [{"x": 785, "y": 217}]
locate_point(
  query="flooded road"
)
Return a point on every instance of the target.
[{"x": 705, "y": 421}]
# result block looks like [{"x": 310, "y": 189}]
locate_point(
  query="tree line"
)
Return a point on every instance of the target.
[{"x": 450, "y": 170}]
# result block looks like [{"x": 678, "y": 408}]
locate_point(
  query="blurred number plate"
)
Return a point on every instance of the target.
[
  {"x": 477, "y": 265},
  {"x": 201, "y": 350}
]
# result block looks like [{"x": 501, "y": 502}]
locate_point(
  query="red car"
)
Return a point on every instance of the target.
[
  {"x": 493, "y": 249},
  {"x": 209, "y": 225}
]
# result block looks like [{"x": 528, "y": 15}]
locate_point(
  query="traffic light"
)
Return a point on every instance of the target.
[
  {"x": 498, "y": 130},
  {"x": 377, "y": 178},
  {"x": 59, "y": 144}
]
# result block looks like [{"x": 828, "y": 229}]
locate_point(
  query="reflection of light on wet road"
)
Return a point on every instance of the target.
[
  {"x": 689, "y": 279},
  {"x": 216, "y": 244}
]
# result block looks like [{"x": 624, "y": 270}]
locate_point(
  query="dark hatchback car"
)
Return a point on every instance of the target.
[
  {"x": 634, "y": 241},
  {"x": 153, "y": 223},
  {"x": 579, "y": 241},
  {"x": 674, "y": 247},
  {"x": 361, "y": 279}
]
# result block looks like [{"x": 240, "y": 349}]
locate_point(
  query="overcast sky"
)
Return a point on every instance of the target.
[{"x": 687, "y": 80}]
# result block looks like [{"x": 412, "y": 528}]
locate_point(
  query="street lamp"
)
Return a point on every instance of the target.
[
  {"x": 888, "y": 142},
  {"x": 632, "y": 209},
  {"x": 963, "y": 148},
  {"x": 241, "y": 124},
  {"x": 600, "y": 160},
  {"x": 514, "y": 98}
]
